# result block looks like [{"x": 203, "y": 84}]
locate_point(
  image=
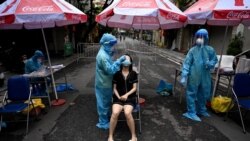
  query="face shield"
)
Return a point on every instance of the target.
[
  {"x": 108, "y": 41},
  {"x": 112, "y": 42}
]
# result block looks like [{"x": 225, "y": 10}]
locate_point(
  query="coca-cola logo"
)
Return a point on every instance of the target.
[
  {"x": 76, "y": 17},
  {"x": 136, "y": 4},
  {"x": 38, "y": 9},
  {"x": 238, "y": 14},
  {"x": 173, "y": 16}
]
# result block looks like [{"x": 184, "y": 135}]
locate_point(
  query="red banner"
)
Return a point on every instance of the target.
[{"x": 232, "y": 14}]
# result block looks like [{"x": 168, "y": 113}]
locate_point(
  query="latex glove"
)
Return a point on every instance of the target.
[
  {"x": 121, "y": 59},
  {"x": 184, "y": 81},
  {"x": 209, "y": 65}
]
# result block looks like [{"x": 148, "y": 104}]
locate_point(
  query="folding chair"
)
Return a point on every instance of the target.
[
  {"x": 137, "y": 107},
  {"x": 226, "y": 69},
  {"x": 16, "y": 97},
  {"x": 241, "y": 94},
  {"x": 137, "y": 111}
]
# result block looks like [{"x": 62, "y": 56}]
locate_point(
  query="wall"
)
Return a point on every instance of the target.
[
  {"x": 58, "y": 38},
  {"x": 246, "y": 38},
  {"x": 216, "y": 36}
]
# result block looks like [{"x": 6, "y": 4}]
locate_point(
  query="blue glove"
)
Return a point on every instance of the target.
[
  {"x": 121, "y": 59},
  {"x": 184, "y": 81},
  {"x": 209, "y": 65}
]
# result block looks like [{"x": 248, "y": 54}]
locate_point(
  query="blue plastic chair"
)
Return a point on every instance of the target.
[
  {"x": 241, "y": 93},
  {"x": 18, "y": 91}
]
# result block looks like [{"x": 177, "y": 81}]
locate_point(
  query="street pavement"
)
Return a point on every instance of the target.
[{"x": 161, "y": 116}]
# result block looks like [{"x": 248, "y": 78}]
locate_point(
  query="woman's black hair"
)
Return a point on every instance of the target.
[{"x": 131, "y": 65}]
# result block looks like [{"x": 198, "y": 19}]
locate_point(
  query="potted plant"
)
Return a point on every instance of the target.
[{"x": 236, "y": 44}]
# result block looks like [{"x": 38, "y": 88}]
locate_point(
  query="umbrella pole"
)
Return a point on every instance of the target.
[
  {"x": 57, "y": 101},
  {"x": 218, "y": 70}
]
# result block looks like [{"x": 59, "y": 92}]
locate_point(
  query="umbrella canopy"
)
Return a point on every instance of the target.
[
  {"x": 219, "y": 12},
  {"x": 138, "y": 14},
  {"x": 32, "y": 14}
]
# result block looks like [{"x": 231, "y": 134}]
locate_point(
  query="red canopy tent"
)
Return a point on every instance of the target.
[
  {"x": 138, "y": 14},
  {"x": 219, "y": 12}
]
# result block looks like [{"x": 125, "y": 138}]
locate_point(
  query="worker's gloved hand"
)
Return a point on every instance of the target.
[
  {"x": 209, "y": 65},
  {"x": 121, "y": 59},
  {"x": 184, "y": 81}
]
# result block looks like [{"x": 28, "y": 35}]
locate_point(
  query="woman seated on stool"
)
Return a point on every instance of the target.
[{"x": 124, "y": 97}]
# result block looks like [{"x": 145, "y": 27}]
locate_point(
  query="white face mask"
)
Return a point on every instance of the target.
[
  {"x": 39, "y": 60},
  {"x": 24, "y": 61},
  {"x": 200, "y": 41}
]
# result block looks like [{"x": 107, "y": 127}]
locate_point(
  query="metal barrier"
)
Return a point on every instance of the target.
[{"x": 87, "y": 50}]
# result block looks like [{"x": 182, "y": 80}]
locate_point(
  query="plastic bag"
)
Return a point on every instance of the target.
[
  {"x": 164, "y": 88},
  {"x": 64, "y": 87},
  {"x": 37, "y": 105},
  {"x": 220, "y": 104}
]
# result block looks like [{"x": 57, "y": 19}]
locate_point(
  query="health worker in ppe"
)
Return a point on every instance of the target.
[
  {"x": 196, "y": 77},
  {"x": 105, "y": 69},
  {"x": 34, "y": 63}
]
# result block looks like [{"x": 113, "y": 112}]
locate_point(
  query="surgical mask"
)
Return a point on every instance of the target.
[
  {"x": 39, "y": 60},
  {"x": 200, "y": 41},
  {"x": 126, "y": 63},
  {"x": 24, "y": 61}
]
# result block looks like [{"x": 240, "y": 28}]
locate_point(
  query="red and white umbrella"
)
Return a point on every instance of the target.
[
  {"x": 34, "y": 14},
  {"x": 219, "y": 12},
  {"x": 142, "y": 14}
]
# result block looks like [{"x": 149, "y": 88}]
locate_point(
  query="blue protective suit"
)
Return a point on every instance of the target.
[
  {"x": 32, "y": 64},
  {"x": 105, "y": 68},
  {"x": 197, "y": 78}
]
